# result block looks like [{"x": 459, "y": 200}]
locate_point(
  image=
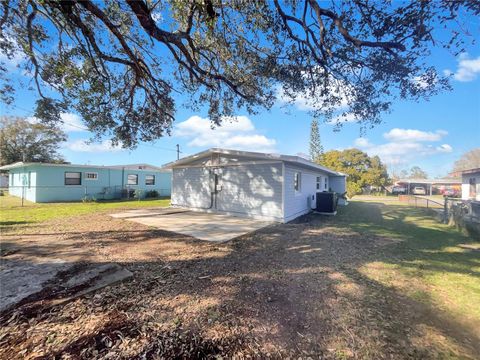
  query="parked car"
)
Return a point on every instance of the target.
[
  {"x": 419, "y": 190},
  {"x": 399, "y": 190},
  {"x": 451, "y": 193}
]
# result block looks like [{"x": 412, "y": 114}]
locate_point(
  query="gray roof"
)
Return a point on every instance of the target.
[
  {"x": 253, "y": 155},
  {"x": 145, "y": 167}
]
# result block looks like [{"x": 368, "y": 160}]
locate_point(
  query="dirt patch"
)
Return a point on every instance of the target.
[{"x": 290, "y": 290}]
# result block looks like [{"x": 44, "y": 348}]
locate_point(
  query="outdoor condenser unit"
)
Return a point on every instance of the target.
[{"x": 327, "y": 202}]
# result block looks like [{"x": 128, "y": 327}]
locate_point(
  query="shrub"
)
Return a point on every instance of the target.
[
  {"x": 138, "y": 194},
  {"x": 151, "y": 194}
]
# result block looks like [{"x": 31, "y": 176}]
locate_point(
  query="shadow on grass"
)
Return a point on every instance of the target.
[{"x": 297, "y": 286}]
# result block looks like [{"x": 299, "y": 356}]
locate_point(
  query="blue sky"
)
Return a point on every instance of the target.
[{"x": 431, "y": 134}]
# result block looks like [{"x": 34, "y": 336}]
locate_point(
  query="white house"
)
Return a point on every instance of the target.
[
  {"x": 471, "y": 184},
  {"x": 267, "y": 186}
]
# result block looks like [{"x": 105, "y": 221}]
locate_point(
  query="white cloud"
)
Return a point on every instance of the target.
[
  {"x": 70, "y": 122},
  {"x": 308, "y": 101},
  {"x": 235, "y": 133},
  {"x": 444, "y": 148},
  {"x": 399, "y": 135},
  {"x": 83, "y": 145},
  {"x": 405, "y": 145},
  {"x": 362, "y": 142},
  {"x": 467, "y": 70}
]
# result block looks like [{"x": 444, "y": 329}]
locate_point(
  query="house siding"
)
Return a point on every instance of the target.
[
  {"x": 467, "y": 190},
  {"x": 252, "y": 190},
  {"x": 47, "y": 183},
  {"x": 191, "y": 187},
  {"x": 296, "y": 203}
]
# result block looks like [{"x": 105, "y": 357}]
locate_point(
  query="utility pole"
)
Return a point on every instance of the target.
[{"x": 178, "y": 152}]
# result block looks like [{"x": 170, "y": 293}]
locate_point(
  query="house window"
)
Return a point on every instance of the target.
[
  {"x": 326, "y": 183},
  {"x": 91, "y": 176},
  {"x": 132, "y": 179},
  {"x": 149, "y": 179},
  {"x": 319, "y": 181},
  {"x": 297, "y": 181},
  {"x": 73, "y": 178}
]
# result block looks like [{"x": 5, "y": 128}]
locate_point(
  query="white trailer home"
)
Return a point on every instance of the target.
[
  {"x": 266, "y": 186},
  {"x": 471, "y": 184}
]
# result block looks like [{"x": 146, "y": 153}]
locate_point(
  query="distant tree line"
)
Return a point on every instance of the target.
[{"x": 22, "y": 140}]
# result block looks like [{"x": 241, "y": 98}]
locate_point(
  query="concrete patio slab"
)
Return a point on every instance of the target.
[
  {"x": 21, "y": 278},
  {"x": 201, "y": 225}
]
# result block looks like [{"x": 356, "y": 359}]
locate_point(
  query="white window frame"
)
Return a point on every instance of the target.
[
  {"x": 91, "y": 173},
  {"x": 319, "y": 183},
  {"x": 72, "y": 172},
  {"x": 297, "y": 182},
  {"x": 326, "y": 183},
  {"x": 154, "y": 179},
  {"x": 128, "y": 180}
]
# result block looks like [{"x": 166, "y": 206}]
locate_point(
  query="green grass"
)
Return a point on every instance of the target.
[
  {"x": 429, "y": 262},
  {"x": 12, "y": 214}
]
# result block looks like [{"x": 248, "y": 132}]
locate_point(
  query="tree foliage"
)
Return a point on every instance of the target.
[
  {"x": 316, "y": 147},
  {"x": 21, "y": 140},
  {"x": 416, "y": 172},
  {"x": 120, "y": 63},
  {"x": 362, "y": 170},
  {"x": 469, "y": 160}
]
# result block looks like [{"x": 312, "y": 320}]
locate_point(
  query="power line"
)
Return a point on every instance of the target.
[{"x": 30, "y": 113}]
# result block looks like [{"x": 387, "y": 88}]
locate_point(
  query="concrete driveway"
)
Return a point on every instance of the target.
[{"x": 201, "y": 225}]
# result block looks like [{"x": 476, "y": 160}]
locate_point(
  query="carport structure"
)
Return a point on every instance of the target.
[{"x": 431, "y": 186}]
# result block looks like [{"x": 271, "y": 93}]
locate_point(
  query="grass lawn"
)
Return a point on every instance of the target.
[
  {"x": 432, "y": 263},
  {"x": 13, "y": 214}
]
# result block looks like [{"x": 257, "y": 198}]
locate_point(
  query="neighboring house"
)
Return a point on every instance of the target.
[
  {"x": 471, "y": 184},
  {"x": 268, "y": 186},
  {"x": 41, "y": 182}
]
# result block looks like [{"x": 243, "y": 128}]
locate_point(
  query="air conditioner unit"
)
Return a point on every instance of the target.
[{"x": 327, "y": 202}]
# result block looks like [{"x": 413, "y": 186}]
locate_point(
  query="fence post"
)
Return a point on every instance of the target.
[{"x": 445, "y": 210}]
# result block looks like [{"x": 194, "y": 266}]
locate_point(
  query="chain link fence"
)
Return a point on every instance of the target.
[{"x": 81, "y": 193}]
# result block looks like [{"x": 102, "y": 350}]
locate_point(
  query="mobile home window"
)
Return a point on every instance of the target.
[
  {"x": 319, "y": 181},
  {"x": 73, "y": 178},
  {"x": 297, "y": 184},
  {"x": 132, "y": 179},
  {"x": 149, "y": 179},
  {"x": 91, "y": 175}
]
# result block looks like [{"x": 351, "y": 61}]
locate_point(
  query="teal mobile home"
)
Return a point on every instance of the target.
[{"x": 40, "y": 182}]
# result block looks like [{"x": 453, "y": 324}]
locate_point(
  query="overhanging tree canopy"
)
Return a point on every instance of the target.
[{"x": 121, "y": 63}]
